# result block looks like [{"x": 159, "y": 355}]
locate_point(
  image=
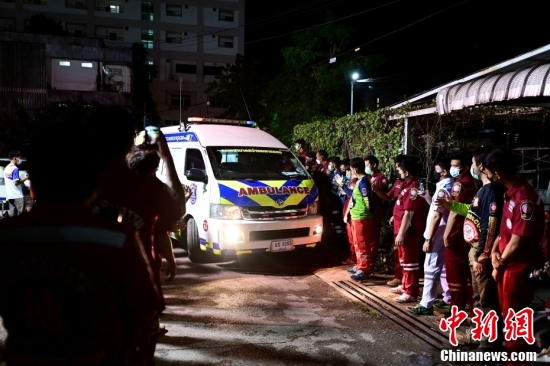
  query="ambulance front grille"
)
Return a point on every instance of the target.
[
  {"x": 279, "y": 234},
  {"x": 273, "y": 213}
]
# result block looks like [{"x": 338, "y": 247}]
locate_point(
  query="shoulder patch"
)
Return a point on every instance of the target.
[
  {"x": 493, "y": 208},
  {"x": 527, "y": 209},
  {"x": 364, "y": 191},
  {"x": 456, "y": 188},
  {"x": 413, "y": 194},
  {"x": 442, "y": 193},
  {"x": 476, "y": 202}
]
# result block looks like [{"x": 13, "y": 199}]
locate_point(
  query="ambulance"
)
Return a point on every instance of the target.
[{"x": 250, "y": 194}]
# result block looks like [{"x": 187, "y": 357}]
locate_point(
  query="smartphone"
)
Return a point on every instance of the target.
[{"x": 422, "y": 185}]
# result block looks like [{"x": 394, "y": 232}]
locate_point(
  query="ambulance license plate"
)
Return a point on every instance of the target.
[{"x": 281, "y": 246}]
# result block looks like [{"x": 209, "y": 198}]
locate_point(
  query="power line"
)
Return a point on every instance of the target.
[{"x": 319, "y": 25}]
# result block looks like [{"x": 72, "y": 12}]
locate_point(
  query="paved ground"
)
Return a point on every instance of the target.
[{"x": 274, "y": 310}]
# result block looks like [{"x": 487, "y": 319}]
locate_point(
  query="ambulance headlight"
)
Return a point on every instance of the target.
[
  {"x": 225, "y": 212},
  {"x": 232, "y": 235},
  {"x": 312, "y": 208}
]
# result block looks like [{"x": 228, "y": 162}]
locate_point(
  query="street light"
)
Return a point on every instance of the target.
[{"x": 354, "y": 77}]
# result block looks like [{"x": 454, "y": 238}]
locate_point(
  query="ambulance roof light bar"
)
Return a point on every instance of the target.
[{"x": 218, "y": 121}]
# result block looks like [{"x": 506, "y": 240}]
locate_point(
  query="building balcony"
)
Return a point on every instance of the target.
[
  {"x": 115, "y": 9},
  {"x": 105, "y": 98}
]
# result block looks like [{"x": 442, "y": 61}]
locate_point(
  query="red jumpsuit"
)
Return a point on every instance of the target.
[
  {"x": 523, "y": 215},
  {"x": 409, "y": 253},
  {"x": 456, "y": 254},
  {"x": 379, "y": 180},
  {"x": 393, "y": 193}
]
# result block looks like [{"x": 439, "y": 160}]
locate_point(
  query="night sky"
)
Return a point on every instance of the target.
[{"x": 465, "y": 38}]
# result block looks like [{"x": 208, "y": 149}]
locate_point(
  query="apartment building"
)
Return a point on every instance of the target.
[{"x": 189, "y": 40}]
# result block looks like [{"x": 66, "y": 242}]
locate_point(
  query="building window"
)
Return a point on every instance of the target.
[
  {"x": 147, "y": 10},
  {"x": 64, "y": 63},
  {"x": 186, "y": 69},
  {"x": 7, "y": 24},
  {"x": 226, "y": 15},
  {"x": 173, "y": 10},
  {"x": 115, "y": 71},
  {"x": 87, "y": 65},
  {"x": 173, "y": 37},
  {"x": 75, "y": 4},
  {"x": 78, "y": 30},
  {"x": 147, "y": 38},
  {"x": 111, "y": 33},
  {"x": 109, "y": 7},
  {"x": 35, "y": 2},
  {"x": 212, "y": 70},
  {"x": 175, "y": 100},
  {"x": 225, "y": 42}
]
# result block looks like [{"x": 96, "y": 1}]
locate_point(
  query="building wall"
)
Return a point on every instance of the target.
[{"x": 177, "y": 32}]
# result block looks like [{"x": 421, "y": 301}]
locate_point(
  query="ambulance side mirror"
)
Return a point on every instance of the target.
[{"x": 196, "y": 175}]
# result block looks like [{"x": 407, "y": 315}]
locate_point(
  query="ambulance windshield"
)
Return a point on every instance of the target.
[{"x": 258, "y": 163}]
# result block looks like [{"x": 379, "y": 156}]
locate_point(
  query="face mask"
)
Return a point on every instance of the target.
[
  {"x": 455, "y": 172},
  {"x": 437, "y": 176},
  {"x": 368, "y": 170},
  {"x": 19, "y": 162},
  {"x": 318, "y": 161},
  {"x": 297, "y": 147},
  {"x": 331, "y": 168},
  {"x": 476, "y": 176}
]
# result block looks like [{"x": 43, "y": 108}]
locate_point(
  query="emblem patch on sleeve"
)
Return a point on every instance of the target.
[
  {"x": 527, "y": 209},
  {"x": 413, "y": 194},
  {"x": 476, "y": 202},
  {"x": 493, "y": 208},
  {"x": 456, "y": 189}
]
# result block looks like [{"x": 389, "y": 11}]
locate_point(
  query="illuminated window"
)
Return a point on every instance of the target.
[
  {"x": 87, "y": 65},
  {"x": 64, "y": 63}
]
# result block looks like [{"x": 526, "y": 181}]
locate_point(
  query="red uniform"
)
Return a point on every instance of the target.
[
  {"x": 409, "y": 253},
  {"x": 456, "y": 255},
  {"x": 75, "y": 289},
  {"x": 523, "y": 215},
  {"x": 144, "y": 204},
  {"x": 349, "y": 227},
  {"x": 379, "y": 180},
  {"x": 393, "y": 193}
]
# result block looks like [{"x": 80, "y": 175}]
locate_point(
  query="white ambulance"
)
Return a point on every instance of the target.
[{"x": 250, "y": 193}]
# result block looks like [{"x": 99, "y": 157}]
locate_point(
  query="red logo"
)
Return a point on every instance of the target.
[
  {"x": 451, "y": 323},
  {"x": 205, "y": 225},
  {"x": 519, "y": 325},
  {"x": 471, "y": 234}
]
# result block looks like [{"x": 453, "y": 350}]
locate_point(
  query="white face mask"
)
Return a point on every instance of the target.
[
  {"x": 318, "y": 161},
  {"x": 455, "y": 172},
  {"x": 19, "y": 162},
  {"x": 297, "y": 147}
]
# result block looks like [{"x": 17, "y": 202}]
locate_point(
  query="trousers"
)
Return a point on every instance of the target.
[
  {"x": 458, "y": 272},
  {"x": 16, "y": 206},
  {"x": 409, "y": 257},
  {"x": 434, "y": 271},
  {"x": 362, "y": 233}
]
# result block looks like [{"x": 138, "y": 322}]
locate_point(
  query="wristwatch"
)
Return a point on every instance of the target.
[{"x": 426, "y": 240}]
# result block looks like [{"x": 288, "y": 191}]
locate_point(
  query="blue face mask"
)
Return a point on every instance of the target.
[
  {"x": 455, "y": 172},
  {"x": 368, "y": 170},
  {"x": 476, "y": 176}
]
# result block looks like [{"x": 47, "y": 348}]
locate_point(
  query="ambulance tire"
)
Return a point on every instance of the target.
[{"x": 196, "y": 255}]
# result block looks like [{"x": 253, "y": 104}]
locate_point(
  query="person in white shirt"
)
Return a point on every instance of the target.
[
  {"x": 14, "y": 185},
  {"x": 434, "y": 247}
]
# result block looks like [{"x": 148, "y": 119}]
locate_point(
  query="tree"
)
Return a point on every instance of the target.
[
  {"x": 243, "y": 78},
  {"x": 309, "y": 86},
  {"x": 142, "y": 98},
  {"x": 41, "y": 24}
]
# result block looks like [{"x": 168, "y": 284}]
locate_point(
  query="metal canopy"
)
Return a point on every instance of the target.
[{"x": 527, "y": 82}]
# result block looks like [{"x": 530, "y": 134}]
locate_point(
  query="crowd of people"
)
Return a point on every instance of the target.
[
  {"x": 479, "y": 232},
  {"x": 80, "y": 280}
]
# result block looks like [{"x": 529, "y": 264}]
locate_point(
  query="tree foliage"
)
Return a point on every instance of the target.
[{"x": 41, "y": 24}]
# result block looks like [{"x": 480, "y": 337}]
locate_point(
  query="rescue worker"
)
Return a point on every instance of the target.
[
  {"x": 517, "y": 252},
  {"x": 300, "y": 147},
  {"x": 457, "y": 249},
  {"x": 389, "y": 196},
  {"x": 322, "y": 162},
  {"x": 142, "y": 203},
  {"x": 434, "y": 263},
  {"x": 335, "y": 202},
  {"x": 378, "y": 180},
  {"x": 480, "y": 230},
  {"x": 74, "y": 288},
  {"x": 361, "y": 212},
  {"x": 409, "y": 221},
  {"x": 347, "y": 221}
]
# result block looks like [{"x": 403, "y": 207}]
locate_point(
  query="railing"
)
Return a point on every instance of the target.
[{"x": 111, "y": 38}]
